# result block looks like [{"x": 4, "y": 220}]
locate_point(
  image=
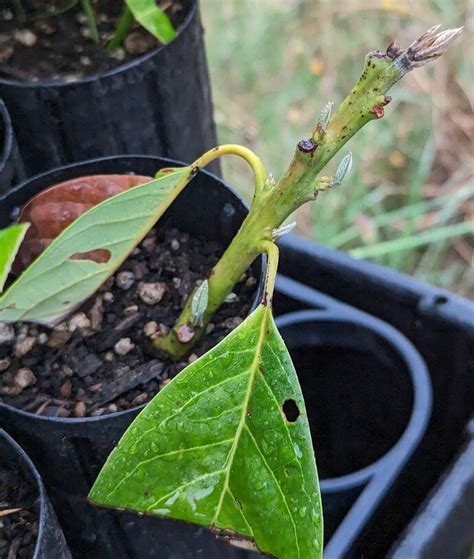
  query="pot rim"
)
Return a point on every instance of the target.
[
  {"x": 8, "y": 135},
  {"x": 420, "y": 383},
  {"x": 38, "y": 482},
  {"x": 193, "y": 10},
  {"x": 169, "y": 162}
]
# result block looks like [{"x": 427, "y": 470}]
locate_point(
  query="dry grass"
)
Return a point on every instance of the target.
[{"x": 275, "y": 63}]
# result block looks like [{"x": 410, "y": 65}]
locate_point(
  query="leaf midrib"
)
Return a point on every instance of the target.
[{"x": 242, "y": 425}]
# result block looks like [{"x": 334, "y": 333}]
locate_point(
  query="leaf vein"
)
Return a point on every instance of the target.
[
  {"x": 242, "y": 514},
  {"x": 238, "y": 433},
  {"x": 143, "y": 462},
  {"x": 267, "y": 465},
  {"x": 179, "y": 410}
]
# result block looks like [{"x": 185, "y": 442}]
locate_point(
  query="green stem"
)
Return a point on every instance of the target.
[
  {"x": 123, "y": 26},
  {"x": 237, "y": 258},
  {"x": 272, "y": 206},
  {"x": 91, "y": 22}
]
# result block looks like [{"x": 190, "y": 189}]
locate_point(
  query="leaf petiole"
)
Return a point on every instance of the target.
[
  {"x": 253, "y": 160},
  {"x": 123, "y": 26},
  {"x": 272, "y": 252},
  {"x": 91, "y": 21}
]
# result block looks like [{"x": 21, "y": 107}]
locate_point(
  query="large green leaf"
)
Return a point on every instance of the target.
[
  {"x": 153, "y": 19},
  {"x": 64, "y": 274},
  {"x": 10, "y": 241},
  {"x": 215, "y": 447}
]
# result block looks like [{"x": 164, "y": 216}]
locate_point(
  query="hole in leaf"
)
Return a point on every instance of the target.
[
  {"x": 291, "y": 410},
  {"x": 100, "y": 255}
]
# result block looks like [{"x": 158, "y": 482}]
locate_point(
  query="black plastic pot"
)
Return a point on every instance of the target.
[
  {"x": 368, "y": 399},
  {"x": 50, "y": 543},
  {"x": 70, "y": 452},
  {"x": 438, "y": 323},
  {"x": 157, "y": 104},
  {"x": 444, "y": 527},
  {"x": 11, "y": 166}
]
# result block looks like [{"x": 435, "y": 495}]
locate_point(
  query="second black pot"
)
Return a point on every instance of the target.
[
  {"x": 50, "y": 542},
  {"x": 368, "y": 399},
  {"x": 11, "y": 165},
  {"x": 70, "y": 452},
  {"x": 157, "y": 104}
]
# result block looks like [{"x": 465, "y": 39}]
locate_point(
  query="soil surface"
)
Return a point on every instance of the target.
[
  {"x": 18, "y": 516},
  {"x": 59, "y": 47},
  {"x": 101, "y": 359}
]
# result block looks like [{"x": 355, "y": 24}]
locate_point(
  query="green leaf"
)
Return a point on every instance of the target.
[
  {"x": 153, "y": 19},
  {"x": 199, "y": 302},
  {"x": 10, "y": 241},
  {"x": 64, "y": 274},
  {"x": 215, "y": 448}
]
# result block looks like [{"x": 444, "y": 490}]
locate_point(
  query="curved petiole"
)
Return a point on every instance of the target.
[
  {"x": 272, "y": 252},
  {"x": 253, "y": 160}
]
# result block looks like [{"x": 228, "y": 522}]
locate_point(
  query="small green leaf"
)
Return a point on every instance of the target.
[
  {"x": 325, "y": 115},
  {"x": 343, "y": 169},
  {"x": 226, "y": 444},
  {"x": 199, "y": 303},
  {"x": 65, "y": 274},
  {"x": 153, "y": 19},
  {"x": 283, "y": 230},
  {"x": 10, "y": 241}
]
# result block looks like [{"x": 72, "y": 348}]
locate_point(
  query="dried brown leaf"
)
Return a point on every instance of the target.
[{"x": 53, "y": 209}]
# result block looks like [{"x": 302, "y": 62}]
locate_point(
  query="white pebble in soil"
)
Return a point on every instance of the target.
[
  {"x": 79, "y": 320},
  {"x": 150, "y": 328},
  {"x": 125, "y": 280},
  {"x": 108, "y": 297},
  {"x": 80, "y": 409},
  {"x": 24, "y": 346},
  {"x": 119, "y": 54},
  {"x": 42, "y": 338},
  {"x": 138, "y": 43},
  {"x": 26, "y": 37},
  {"x": 232, "y": 322},
  {"x": 7, "y": 333},
  {"x": 24, "y": 378},
  {"x": 151, "y": 293},
  {"x": 4, "y": 364},
  {"x": 123, "y": 346}
]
